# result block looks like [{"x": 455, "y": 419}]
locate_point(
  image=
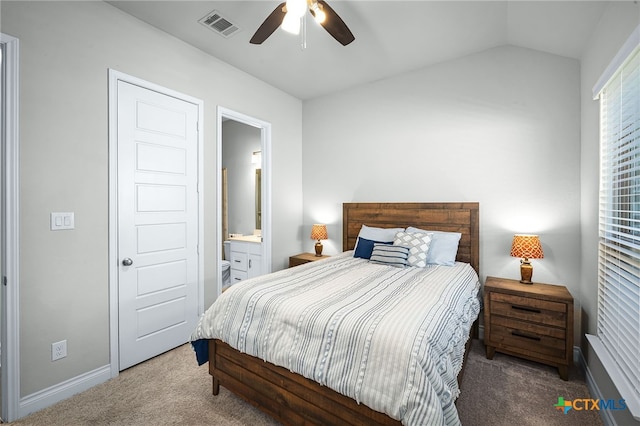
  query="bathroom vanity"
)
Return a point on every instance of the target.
[{"x": 246, "y": 258}]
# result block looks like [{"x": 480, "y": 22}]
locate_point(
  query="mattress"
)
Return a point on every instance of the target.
[{"x": 390, "y": 338}]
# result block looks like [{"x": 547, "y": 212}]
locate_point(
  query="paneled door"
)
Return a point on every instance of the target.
[{"x": 157, "y": 222}]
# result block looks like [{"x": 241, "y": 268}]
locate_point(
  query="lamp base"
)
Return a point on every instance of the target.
[
  {"x": 526, "y": 271},
  {"x": 318, "y": 249}
]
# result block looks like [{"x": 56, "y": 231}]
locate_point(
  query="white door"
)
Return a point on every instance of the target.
[{"x": 157, "y": 222}]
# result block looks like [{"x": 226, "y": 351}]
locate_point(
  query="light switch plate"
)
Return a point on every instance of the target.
[{"x": 62, "y": 220}]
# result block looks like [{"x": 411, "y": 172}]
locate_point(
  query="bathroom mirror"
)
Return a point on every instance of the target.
[{"x": 241, "y": 146}]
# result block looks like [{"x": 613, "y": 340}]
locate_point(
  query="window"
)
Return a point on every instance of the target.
[{"x": 619, "y": 231}]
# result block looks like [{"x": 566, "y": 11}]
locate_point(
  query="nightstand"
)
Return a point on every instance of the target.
[
  {"x": 303, "y": 258},
  {"x": 531, "y": 321}
]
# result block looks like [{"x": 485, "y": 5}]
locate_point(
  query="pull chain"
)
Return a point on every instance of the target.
[{"x": 303, "y": 33}]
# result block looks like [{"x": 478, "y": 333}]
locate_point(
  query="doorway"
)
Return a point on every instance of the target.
[
  {"x": 259, "y": 211},
  {"x": 9, "y": 249}
]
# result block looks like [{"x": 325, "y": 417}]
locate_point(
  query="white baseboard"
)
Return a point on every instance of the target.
[
  {"x": 594, "y": 390},
  {"x": 54, "y": 394}
]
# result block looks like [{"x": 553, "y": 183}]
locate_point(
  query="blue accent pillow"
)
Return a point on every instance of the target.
[{"x": 365, "y": 247}]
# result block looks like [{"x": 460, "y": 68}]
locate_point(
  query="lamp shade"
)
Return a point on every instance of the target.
[
  {"x": 319, "y": 232},
  {"x": 526, "y": 246}
]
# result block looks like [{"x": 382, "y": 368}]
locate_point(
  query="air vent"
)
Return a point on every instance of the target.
[{"x": 219, "y": 24}]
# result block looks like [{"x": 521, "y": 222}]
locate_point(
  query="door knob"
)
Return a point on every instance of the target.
[{"x": 127, "y": 261}]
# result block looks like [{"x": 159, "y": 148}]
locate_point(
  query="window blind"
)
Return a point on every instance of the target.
[{"x": 619, "y": 221}]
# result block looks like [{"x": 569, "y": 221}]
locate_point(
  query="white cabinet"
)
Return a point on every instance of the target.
[
  {"x": 246, "y": 260},
  {"x": 254, "y": 268}
]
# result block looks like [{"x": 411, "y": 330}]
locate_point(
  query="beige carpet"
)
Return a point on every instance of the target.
[
  {"x": 172, "y": 390},
  {"x": 511, "y": 391}
]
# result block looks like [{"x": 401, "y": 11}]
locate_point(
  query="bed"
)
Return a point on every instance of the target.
[{"x": 293, "y": 398}]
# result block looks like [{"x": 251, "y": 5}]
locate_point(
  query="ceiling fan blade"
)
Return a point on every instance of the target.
[
  {"x": 269, "y": 25},
  {"x": 335, "y": 25}
]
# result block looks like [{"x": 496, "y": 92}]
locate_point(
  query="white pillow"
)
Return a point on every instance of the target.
[
  {"x": 380, "y": 235},
  {"x": 418, "y": 244},
  {"x": 443, "y": 248}
]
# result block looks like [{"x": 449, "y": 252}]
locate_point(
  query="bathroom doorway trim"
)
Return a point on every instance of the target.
[{"x": 265, "y": 138}]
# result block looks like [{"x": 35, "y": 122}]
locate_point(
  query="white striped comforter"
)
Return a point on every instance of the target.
[{"x": 390, "y": 338}]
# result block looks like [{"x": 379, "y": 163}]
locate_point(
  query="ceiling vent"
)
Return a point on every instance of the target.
[{"x": 219, "y": 24}]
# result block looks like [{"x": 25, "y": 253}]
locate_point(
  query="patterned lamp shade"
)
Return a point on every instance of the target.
[
  {"x": 319, "y": 232},
  {"x": 526, "y": 246}
]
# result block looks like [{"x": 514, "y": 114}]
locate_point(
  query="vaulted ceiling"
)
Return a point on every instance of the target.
[{"x": 391, "y": 37}]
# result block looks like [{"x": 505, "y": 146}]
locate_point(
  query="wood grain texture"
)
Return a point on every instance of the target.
[
  {"x": 532, "y": 321},
  {"x": 295, "y": 400},
  {"x": 289, "y": 398},
  {"x": 302, "y": 258},
  {"x": 448, "y": 217}
]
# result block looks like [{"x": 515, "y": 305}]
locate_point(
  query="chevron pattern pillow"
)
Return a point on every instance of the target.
[
  {"x": 418, "y": 244},
  {"x": 387, "y": 254}
]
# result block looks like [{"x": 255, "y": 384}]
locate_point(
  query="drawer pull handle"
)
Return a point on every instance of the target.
[
  {"x": 237, "y": 261},
  {"x": 525, "y": 308},
  {"x": 526, "y": 336}
]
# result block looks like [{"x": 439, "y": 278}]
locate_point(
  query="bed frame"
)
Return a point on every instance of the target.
[{"x": 295, "y": 400}]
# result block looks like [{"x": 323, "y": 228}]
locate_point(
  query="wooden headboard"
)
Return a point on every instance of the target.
[{"x": 450, "y": 217}]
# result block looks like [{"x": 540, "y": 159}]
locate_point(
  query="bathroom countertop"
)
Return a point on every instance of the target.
[{"x": 247, "y": 238}]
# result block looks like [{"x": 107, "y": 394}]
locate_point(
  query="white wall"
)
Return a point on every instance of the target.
[
  {"x": 617, "y": 23},
  {"x": 501, "y": 127},
  {"x": 66, "y": 49}
]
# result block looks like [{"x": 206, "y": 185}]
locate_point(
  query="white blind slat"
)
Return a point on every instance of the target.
[{"x": 619, "y": 248}]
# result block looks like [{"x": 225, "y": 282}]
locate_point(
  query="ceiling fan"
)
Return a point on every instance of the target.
[{"x": 287, "y": 15}]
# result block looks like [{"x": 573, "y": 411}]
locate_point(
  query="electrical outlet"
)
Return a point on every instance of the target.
[{"x": 58, "y": 350}]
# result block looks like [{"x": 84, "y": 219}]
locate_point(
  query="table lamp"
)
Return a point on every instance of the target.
[
  {"x": 526, "y": 247},
  {"x": 319, "y": 232}
]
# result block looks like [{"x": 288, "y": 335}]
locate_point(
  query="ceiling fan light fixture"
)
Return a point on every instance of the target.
[
  {"x": 318, "y": 13},
  {"x": 296, "y": 8},
  {"x": 291, "y": 24},
  {"x": 289, "y": 15}
]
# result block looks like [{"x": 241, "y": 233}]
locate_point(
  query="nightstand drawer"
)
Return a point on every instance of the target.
[
  {"x": 528, "y": 309},
  {"x": 528, "y": 342},
  {"x": 294, "y": 261},
  {"x": 528, "y": 327}
]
